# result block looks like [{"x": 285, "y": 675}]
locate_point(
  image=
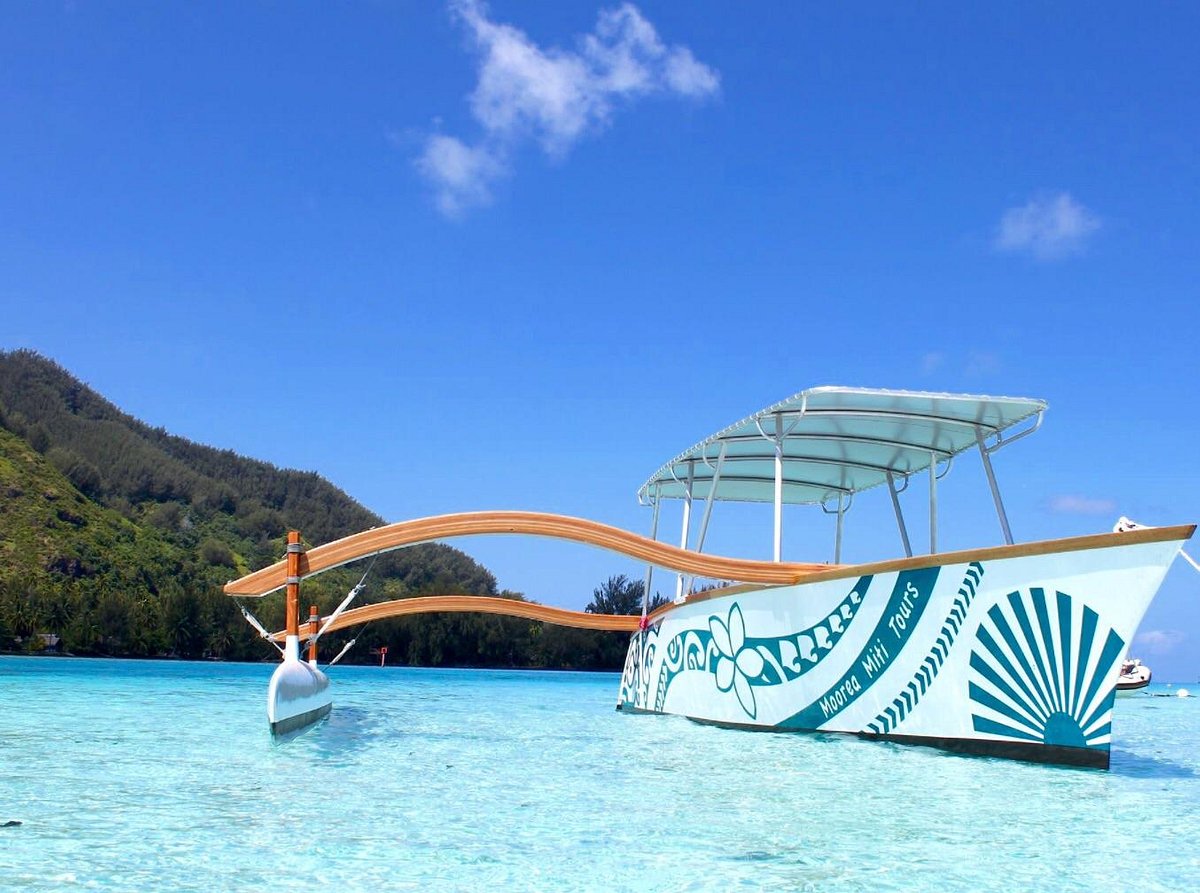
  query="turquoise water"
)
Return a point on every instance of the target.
[{"x": 160, "y": 775}]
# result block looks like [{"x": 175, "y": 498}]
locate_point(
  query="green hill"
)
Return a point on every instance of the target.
[{"x": 117, "y": 537}]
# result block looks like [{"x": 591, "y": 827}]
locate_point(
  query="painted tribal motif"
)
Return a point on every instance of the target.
[
  {"x": 635, "y": 680},
  {"x": 966, "y": 656},
  {"x": 904, "y": 703},
  {"x": 739, "y": 663}
]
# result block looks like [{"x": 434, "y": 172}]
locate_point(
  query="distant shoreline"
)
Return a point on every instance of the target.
[{"x": 269, "y": 662}]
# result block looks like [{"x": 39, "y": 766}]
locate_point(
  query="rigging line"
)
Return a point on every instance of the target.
[
  {"x": 350, "y": 644},
  {"x": 1190, "y": 560},
  {"x": 345, "y": 648},
  {"x": 253, "y": 621},
  {"x": 346, "y": 601},
  {"x": 365, "y": 626}
]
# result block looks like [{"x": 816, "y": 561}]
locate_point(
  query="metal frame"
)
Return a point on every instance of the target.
[
  {"x": 895, "y": 494},
  {"x": 843, "y": 505},
  {"x": 956, "y": 413},
  {"x": 779, "y": 437},
  {"x": 900, "y": 460},
  {"x": 687, "y": 523},
  {"x": 649, "y": 566},
  {"x": 787, "y": 481},
  {"x": 715, "y": 480},
  {"x": 985, "y": 453}
]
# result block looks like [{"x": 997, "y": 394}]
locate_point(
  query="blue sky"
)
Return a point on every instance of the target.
[{"x": 458, "y": 257}]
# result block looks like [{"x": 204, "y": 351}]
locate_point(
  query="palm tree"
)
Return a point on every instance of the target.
[{"x": 620, "y": 595}]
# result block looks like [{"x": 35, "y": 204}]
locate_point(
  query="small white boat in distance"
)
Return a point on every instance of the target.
[{"x": 1134, "y": 677}]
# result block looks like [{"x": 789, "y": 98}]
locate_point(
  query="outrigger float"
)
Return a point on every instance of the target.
[{"x": 1012, "y": 650}]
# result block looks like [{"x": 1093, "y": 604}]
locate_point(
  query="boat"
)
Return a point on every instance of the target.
[
  {"x": 1009, "y": 650},
  {"x": 1132, "y": 678}
]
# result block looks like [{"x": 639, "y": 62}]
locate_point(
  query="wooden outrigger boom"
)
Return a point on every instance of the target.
[
  {"x": 480, "y": 604},
  {"x": 563, "y": 527}
]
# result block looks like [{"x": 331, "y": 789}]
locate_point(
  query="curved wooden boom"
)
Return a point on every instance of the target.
[
  {"x": 563, "y": 527},
  {"x": 481, "y": 604}
]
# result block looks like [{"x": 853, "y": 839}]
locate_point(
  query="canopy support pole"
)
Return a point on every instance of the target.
[
  {"x": 708, "y": 505},
  {"x": 778, "y": 551},
  {"x": 986, "y": 455},
  {"x": 291, "y": 650},
  {"x": 687, "y": 521},
  {"x": 899, "y": 514},
  {"x": 712, "y": 493},
  {"x": 837, "y": 539},
  {"x": 649, "y": 566},
  {"x": 933, "y": 503}
]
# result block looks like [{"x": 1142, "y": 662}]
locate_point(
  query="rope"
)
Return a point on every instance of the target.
[
  {"x": 345, "y": 648},
  {"x": 353, "y": 592},
  {"x": 253, "y": 621},
  {"x": 346, "y": 601}
]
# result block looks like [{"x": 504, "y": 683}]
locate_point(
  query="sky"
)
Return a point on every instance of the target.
[{"x": 461, "y": 256}]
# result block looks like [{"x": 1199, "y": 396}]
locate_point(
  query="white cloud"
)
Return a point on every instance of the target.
[
  {"x": 931, "y": 362},
  {"x": 1048, "y": 227},
  {"x": 1071, "y": 504},
  {"x": 1159, "y": 641},
  {"x": 552, "y": 97},
  {"x": 465, "y": 173}
]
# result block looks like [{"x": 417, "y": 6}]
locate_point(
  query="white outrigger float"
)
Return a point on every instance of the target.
[{"x": 1011, "y": 651}]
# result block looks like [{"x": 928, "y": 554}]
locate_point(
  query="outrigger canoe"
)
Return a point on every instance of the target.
[{"x": 1010, "y": 650}]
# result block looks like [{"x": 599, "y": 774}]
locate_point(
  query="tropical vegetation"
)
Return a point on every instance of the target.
[{"x": 116, "y": 538}]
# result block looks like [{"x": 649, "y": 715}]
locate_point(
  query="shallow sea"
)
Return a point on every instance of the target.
[{"x": 155, "y": 775}]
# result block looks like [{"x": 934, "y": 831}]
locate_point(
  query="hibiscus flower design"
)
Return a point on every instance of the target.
[{"x": 737, "y": 664}]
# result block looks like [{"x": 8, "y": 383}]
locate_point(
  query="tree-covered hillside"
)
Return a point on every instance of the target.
[{"x": 117, "y": 537}]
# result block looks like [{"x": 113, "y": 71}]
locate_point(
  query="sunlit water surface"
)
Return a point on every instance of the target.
[{"x": 152, "y": 775}]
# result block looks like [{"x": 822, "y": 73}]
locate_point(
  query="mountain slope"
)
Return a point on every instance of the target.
[{"x": 98, "y": 508}]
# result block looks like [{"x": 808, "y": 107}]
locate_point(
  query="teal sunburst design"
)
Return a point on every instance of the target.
[{"x": 1039, "y": 677}]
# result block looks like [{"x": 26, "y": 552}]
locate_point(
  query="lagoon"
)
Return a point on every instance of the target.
[{"x": 161, "y": 775}]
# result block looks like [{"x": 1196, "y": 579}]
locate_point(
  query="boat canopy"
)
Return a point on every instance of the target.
[{"x": 832, "y": 442}]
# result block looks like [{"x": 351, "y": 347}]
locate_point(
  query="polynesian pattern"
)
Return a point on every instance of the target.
[
  {"x": 738, "y": 662},
  {"x": 1035, "y": 678},
  {"x": 635, "y": 680},
  {"x": 901, "y": 615},
  {"x": 904, "y": 703}
]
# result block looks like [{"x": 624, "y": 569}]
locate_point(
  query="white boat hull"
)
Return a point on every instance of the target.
[
  {"x": 1134, "y": 681},
  {"x": 1012, "y": 656},
  {"x": 298, "y": 695}
]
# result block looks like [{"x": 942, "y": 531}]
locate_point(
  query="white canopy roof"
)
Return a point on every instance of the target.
[{"x": 837, "y": 441}]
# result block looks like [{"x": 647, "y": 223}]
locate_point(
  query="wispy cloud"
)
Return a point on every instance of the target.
[
  {"x": 550, "y": 96},
  {"x": 974, "y": 364},
  {"x": 1159, "y": 641},
  {"x": 1071, "y": 504},
  {"x": 1048, "y": 227},
  {"x": 982, "y": 363}
]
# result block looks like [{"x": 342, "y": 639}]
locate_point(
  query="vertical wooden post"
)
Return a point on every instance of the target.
[
  {"x": 293, "y": 582},
  {"x": 314, "y": 623}
]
